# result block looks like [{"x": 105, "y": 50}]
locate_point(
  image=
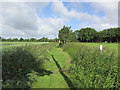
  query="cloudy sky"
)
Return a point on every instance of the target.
[{"x": 45, "y": 19}]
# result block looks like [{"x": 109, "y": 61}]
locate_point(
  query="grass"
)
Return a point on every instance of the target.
[
  {"x": 10, "y": 45},
  {"x": 68, "y": 58},
  {"x": 34, "y": 58},
  {"x": 112, "y": 46},
  {"x": 22, "y": 64},
  {"x": 54, "y": 80}
]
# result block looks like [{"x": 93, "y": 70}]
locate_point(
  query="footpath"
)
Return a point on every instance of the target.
[{"x": 57, "y": 64}]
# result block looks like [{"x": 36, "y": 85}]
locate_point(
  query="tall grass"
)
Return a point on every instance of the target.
[
  {"x": 91, "y": 68},
  {"x": 21, "y": 64}
]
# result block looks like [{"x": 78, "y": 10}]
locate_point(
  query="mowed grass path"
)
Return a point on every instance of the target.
[{"x": 54, "y": 80}]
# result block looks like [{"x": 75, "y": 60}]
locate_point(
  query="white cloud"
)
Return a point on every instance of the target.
[
  {"x": 50, "y": 25},
  {"x": 109, "y": 8},
  {"x": 19, "y": 16},
  {"x": 109, "y": 20},
  {"x": 10, "y": 32},
  {"x": 21, "y": 20},
  {"x": 98, "y": 27},
  {"x": 58, "y": 7}
]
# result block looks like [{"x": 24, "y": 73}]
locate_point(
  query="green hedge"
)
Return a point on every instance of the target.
[
  {"x": 91, "y": 68},
  {"x": 20, "y": 63}
]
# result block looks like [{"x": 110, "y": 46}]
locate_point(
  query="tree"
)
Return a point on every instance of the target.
[
  {"x": 26, "y": 40},
  {"x": 110, "y": 35},
  {"x": 76, "y": 35},
  {"x": 0, "y": 38},
  {"x": 33, "y": 39},
  {"x": 72, "y": 37},
  {"x": 64, "y": 33},
  {"x": 44, "y": 39},
  {"x": 15, "y": 40},
  {"x": 86, "y": 34},
  {"x": 21, "y": 39}
]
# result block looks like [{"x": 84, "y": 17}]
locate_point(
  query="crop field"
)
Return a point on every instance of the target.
[{"x": 46, "y": 65}]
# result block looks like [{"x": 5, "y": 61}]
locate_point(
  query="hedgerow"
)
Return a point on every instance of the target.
[
  {"x": 21, "y": 64},
  {"x": 91, "y": 68}
]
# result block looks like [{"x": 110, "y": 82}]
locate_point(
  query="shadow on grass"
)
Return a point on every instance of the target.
[
  {"x": 43, "y": 72},
  {"x": 16, "y": 65},
  {"x": 70, "y": 84}
]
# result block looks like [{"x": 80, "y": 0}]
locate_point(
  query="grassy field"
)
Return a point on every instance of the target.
[
  {"x": 9, "y": 45},
  {"x": 113, "y": 46},
  {"x": 45, "y": 65}
]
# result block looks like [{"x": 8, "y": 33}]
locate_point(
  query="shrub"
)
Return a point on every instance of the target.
[
  {"x": 21, "y": 62},
  {"x": 91, "y": 68}
]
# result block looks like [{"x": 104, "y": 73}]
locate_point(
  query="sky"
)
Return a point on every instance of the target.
[{"x": 45, "y": 19}]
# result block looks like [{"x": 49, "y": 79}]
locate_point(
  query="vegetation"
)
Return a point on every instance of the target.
[
  {"x": 66, "y": 34},
  {"x": 83, "y": 35},
  {"x": 89, "y": 35},
  {"x": 32, "y": 66},
  {"x": 10, "y": 45},
  {"x": 86, "y": 35},
  {"x": 20, "y": 63},
  {"x": 29, "y": 40},
  {"x": 54, "y": 79},
  {"x": 77, "y": 63},
  {"x": 91, "y": 68}
]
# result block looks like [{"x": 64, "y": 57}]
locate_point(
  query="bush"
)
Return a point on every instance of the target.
[
  {"x": 21, "y": 62},
  {"x": 91, "y": 68}
]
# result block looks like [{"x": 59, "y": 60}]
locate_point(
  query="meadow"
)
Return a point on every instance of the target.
[{"x": 46, "y": 65}]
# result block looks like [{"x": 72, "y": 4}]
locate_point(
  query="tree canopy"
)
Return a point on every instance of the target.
[
  {"x": 86, "y": 34},
  {"x": 66, "y": 34},
  {"x": 82, "y": 35},
  {"x": 89, "y": 35}
]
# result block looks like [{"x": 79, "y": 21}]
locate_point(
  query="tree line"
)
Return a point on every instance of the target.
[
  {"x": 29, "y": 40},
  {"x": 83, "y": 35},
  {"x": 89, "y": 35}
]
